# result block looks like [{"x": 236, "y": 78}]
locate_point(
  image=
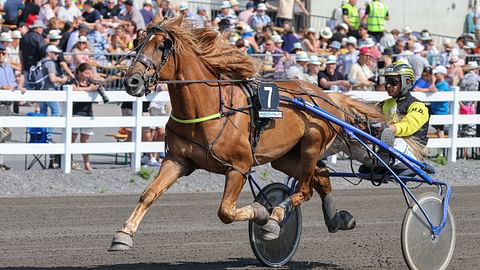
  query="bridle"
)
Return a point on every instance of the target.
[{"x": 168, "y": 48}]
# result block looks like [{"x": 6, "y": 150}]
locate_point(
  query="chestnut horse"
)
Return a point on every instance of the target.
[{"x": 218, "y": 136}]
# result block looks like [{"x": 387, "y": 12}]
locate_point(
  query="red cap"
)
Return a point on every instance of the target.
[{"x": 365, "y": 51}]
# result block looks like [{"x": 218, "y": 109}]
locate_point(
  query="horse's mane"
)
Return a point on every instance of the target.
[
  {"x": 371, "y": 112},
  {"x": 217, "y": 55}
]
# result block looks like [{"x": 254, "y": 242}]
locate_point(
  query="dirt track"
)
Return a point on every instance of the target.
[{"x": 182, "y": 232}]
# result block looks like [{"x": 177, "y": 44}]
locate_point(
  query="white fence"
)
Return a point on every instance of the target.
[{"x": 137, "y": 121}]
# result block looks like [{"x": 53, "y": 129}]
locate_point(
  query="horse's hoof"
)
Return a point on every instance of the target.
[
  {"x": 121, "y": 242},
  {"x": 261, "y": 214},
  {"x": 271, "y": 230},
  {"x": 348, "y": 222}
]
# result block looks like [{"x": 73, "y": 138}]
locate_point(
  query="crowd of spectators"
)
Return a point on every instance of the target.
[{"x": 350, "y": 53}]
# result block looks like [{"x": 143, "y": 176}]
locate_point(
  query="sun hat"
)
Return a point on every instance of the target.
[
  {"x": 344, "y": 26},
  {"x": 82, "y": 39},
  {"x": 448, "y": 44},
  {"x": 350, "y": 40},
  {"x": 471, "y": 65},
  {"x": 261, "y": 6},
  {"x": 335, "y": 45},
  {"x": 297, "y": 46},
  {"x": 250, "y": 5},
  {"x": 53, "y": 48},
  {"x": 331, "y": 59},
  {"x": 313, "y": 59},
  {"x": 469, "y": 45},
  {"x": 417, "y": 48},
  {"x": 277, "y": 39},
  {"x": 440, "y": 69},
  {"x": 326, "y": 32},
  {"x": 54, "y": 35},
  {"x": 234, "y": 3},
  {"x": 365, "y": 51},
  {"x": 301, "y": 56},
  {"x": 407, "y": 30},
  {"x": 201, "y": 7},
  {"x": 16, "y": 34},
  {"x": 368, "y": 43},
  {"x": 311, "y": 30},
  {"x": 148, "y": 3},
  {"x": 425, "y": 36},
  {"x": 5, "y": 37},
  {"x": 183, "y": 6},
  {"x": 225, "y": 4},
  {"x": 37, "y": 24}
]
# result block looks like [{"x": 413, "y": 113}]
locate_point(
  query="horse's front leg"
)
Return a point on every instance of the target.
[
  {"x": 228, "y": 211},
  {"x": 169, "y": 172}
]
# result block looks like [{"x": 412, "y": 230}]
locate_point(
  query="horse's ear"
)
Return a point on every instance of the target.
[
  {"x": 178, "y": 21},
  {"x": 157, "y": 19}
]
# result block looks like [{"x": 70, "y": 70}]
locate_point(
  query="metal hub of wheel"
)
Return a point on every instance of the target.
[
  {"x": 276, "y": 252},
  {"x": 421, "y": 249}
]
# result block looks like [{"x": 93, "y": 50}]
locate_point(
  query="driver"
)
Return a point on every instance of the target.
[{"x": 405, "y": 115}]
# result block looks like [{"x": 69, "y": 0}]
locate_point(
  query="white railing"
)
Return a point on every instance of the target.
[{"x": 137, "y": 121}]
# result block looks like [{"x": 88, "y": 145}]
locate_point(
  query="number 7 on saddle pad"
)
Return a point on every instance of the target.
[{"x": 269, "y": 100}]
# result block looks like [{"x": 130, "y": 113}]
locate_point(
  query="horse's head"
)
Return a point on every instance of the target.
[{"x": 151, "y": 61}]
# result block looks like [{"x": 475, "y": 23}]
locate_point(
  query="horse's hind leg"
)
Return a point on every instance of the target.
[
  {"x": 169, "y": 172},
  {"x": 335, "y": 220},
  {"x": 228, "y": 211}
]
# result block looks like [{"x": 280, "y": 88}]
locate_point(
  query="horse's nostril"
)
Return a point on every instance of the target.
[{"x": 134, "y": 82}]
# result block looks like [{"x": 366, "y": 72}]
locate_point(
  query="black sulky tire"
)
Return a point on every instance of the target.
[
  {"x": 420, "y": 249},
  {"x": 275, "y": 253}
]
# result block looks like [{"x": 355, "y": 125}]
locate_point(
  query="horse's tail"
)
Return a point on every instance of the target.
[{"x": 356, "y": 108}]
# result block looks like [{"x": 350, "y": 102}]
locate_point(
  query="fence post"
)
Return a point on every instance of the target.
[
  {"x": 67, "y": 133},
  {"x": 452, "y": 154},
  {"x": 137, "y": 109}
]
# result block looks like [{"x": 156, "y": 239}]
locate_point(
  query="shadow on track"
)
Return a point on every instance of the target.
[{"x": 239, "y": 263}]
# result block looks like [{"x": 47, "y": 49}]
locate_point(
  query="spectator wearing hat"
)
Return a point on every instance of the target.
[
  {"x": 361, "y": 73},
  {"x": 325, "y": 36},
  {"x": 48, "y": 11},
  {"x": 147, "y": 12},
  {"x": 440, "y": 108},
  {"x": 470, "y": 82},
  {"x": 82, "y": 30},
  {"x": 468, "y": 48},
  {"x": 13, "y": 53},
  {"x": 53, "y": 81},
  {"x": 260, "y": 18},
  {"x": 425, "y": 82},
  {"x": 68, "y": 12},
  {"x": 448, "y": 51},
  {"x": 334, "y": 48},
  {"x": 346, "y": 60},
  {"x": 310, "y": 42},
  {"x": 193, "y": 18},
  {"x": 340, "y": 32},
  {"x": 226, "y": 17},
  {"x": 417, "y": 61},
  {"x": 454, "y": 70},
  {"x": 285, "y": 11},
  {"x": 331, "y": 78},
  {"x": 81, "y": 52},
  {"x": 7, "y": 82},
  {"x": 375, "y": 16},
  {"x": 12, "y": 9},
  {"x": 133, "y": 14},
  {"x": 203, "y": 14},
  {"x": 313, "y": 67},
  {"x": 297, "y": 71},
  {"x": 407, "y": 35},
  {"x": 30, "y": 47},
  {"x": 247, "y": 14},
  {"x": 235, "y": 7},
  {"x": 432, "y": 53},
  {"x": 54, "y": 38}
]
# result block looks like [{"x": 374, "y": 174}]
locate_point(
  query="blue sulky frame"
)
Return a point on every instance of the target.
[{"x": 416, "y": 166}]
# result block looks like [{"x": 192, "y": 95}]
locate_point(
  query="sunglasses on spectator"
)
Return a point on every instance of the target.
[
  {"x": 392, "y": 82},
  {"x": 3, "y": 53}
]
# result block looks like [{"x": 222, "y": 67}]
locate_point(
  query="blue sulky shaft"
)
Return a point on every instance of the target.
[{"x": 410, "y": 162}]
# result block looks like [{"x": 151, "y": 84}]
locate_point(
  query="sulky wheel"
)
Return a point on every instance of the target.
[
  {"x": 420, "y": 249},
  {"x": 276, "y": 252}
]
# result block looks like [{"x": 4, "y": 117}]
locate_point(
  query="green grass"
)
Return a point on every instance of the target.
[
  {"x": 146, "y": 173},
  {"x": 440, "y": 160}
]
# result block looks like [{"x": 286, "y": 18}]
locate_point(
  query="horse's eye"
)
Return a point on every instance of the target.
[{"x": 160, "y": 46}]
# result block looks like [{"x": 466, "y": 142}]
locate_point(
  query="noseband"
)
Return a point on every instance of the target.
[{"x": 168, "y": 49}]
